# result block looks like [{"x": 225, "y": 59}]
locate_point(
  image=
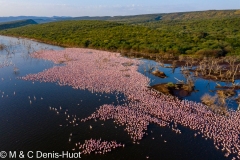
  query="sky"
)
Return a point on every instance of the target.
[{"x": 77, "y": 8}]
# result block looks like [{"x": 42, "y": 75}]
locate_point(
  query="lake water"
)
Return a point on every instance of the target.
[{"x": 26, "y": 126}]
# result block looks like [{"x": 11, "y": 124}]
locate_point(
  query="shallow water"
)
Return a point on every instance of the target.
[
  {"x": 201, "y": 85},
  {"x": 34, "y": 127}
]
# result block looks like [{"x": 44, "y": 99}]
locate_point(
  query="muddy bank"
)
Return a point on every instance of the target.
[
  {"x": 159, "y": 74},
  {"x": 178, "y": 90}
]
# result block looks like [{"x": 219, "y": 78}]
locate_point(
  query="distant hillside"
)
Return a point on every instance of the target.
[
  {"x": 202, "y": 37},
  {"x": 179, "y": 16},
  {"x": 50, "y": 19},
  {"x": 196, "y": 15},
  {"x": 55, "y": 19},
  {"x": 35, "y": 18},
  {"x": 135, "y": 19},
  {"x": 211, "y": 14},
  {"x": 17, "y": 18},
  {"x": 14, "y": 24}
]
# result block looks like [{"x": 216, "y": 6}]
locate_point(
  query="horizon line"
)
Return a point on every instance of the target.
[{"x": 129, "y": 14}]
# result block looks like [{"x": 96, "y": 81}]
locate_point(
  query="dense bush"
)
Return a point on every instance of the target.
[{"x": 208, "y": 37}]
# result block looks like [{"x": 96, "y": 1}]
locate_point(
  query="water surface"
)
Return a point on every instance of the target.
[{"x": 34, "y": 127}]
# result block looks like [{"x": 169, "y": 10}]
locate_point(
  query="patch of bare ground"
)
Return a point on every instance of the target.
[
  {"x": 178, "y": 90},
  {"x": 2, "y": 46},
  {"x": 159, "y": 74}
]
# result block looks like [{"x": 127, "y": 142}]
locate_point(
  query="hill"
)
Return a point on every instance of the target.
[
  {"x": 202, "y": 37},
  {"x": 196, "y": 15},
  {"x": 134, "y": 19},
  {"x": 200, "y": 15},
  {"x": 14, "y": 24}
]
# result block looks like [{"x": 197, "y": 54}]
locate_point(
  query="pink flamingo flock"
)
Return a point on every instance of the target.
[
  {"x": 97, "y": 146},
  {"x": 136, "y": 121},
  {"x": 100, "y": 71}
]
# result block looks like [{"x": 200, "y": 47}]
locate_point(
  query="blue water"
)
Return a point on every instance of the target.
[
  {"x": 201, "y": 85},
  {"x": 34, "y": 127}
]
